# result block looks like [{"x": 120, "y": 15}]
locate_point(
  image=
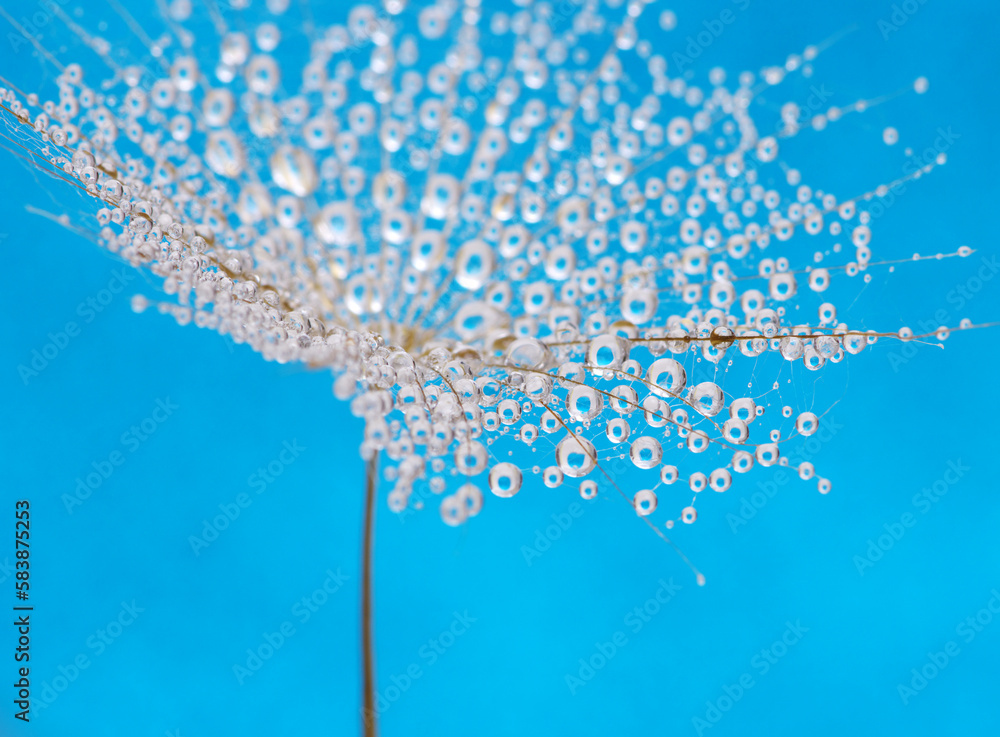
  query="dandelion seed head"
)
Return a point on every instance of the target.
[{"x": 498, "y": 227}]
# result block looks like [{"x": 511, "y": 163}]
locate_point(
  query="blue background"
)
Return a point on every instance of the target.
[{"x": 171, "y": 671}]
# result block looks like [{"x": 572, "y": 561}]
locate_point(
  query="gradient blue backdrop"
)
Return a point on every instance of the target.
[{"x": 171, "y": 671}]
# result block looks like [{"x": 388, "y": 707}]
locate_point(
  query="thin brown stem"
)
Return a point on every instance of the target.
[{"x": 368, "y": 712}]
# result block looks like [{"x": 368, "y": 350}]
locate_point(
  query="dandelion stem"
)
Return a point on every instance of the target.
[{"x": 369, "y": 715}]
